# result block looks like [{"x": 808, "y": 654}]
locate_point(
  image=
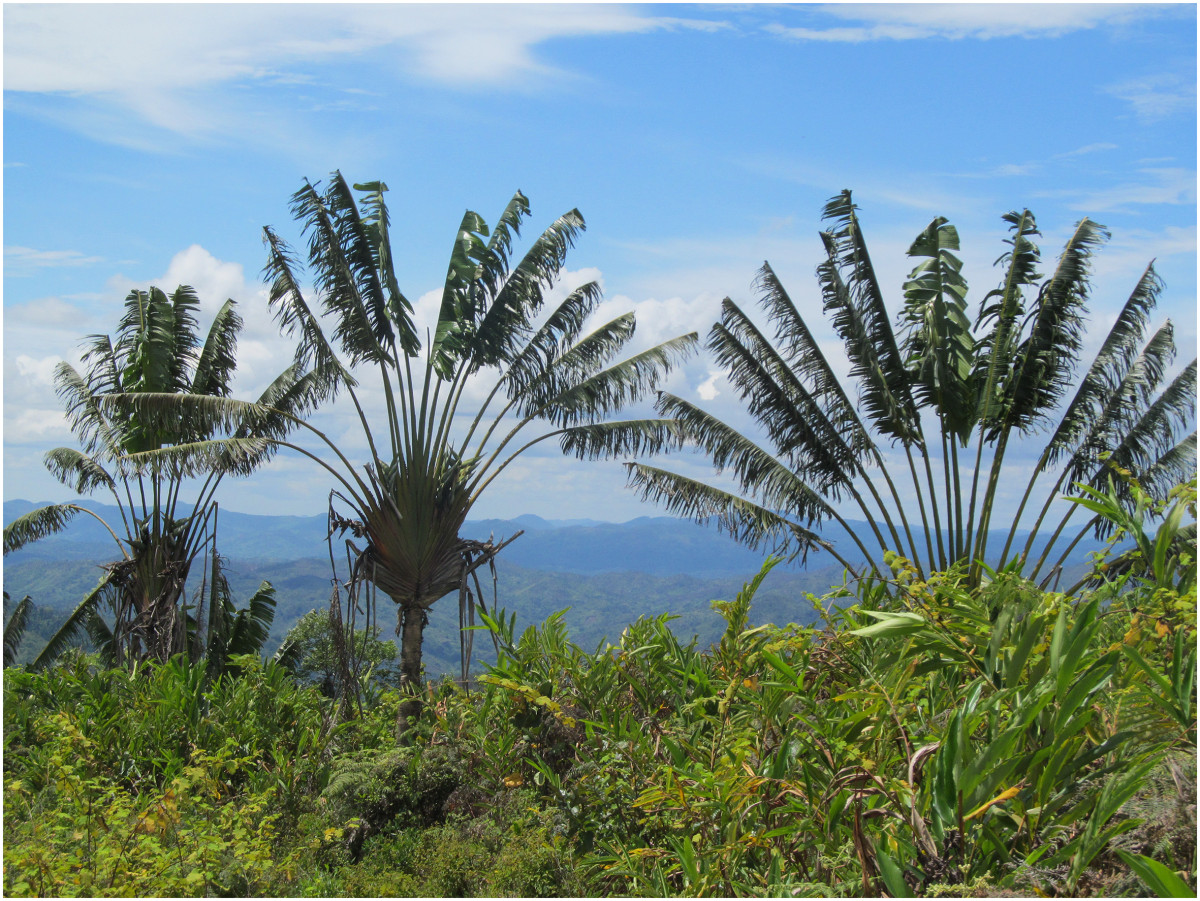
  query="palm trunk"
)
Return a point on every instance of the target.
[{"x": 412, "y": 628}]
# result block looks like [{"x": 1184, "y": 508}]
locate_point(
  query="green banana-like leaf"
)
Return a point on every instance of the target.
[
  {"x": 77, "y": 620},
  {"x": 37, "y": 524},
  {"x": 14, "y": 629},
  {"x": 1165, "y": 883}
]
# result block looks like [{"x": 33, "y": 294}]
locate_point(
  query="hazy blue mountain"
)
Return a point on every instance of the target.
[{"x": 609, "y": 574}]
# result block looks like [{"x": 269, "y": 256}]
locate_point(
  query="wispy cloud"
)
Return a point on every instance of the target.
[
  {"x": 1157, "y": 97},
  {"x": 979, "y": 21},
  {"x": 1174, "y": 186},
  {"x": 27, "y": 260},
  {"x": 163, "y": 62},
  {"x": 1098, "y": 147}
]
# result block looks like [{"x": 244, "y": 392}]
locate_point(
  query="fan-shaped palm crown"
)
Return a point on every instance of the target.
[
  {"x": 430, "y": 457},
  {"x": 929, "y": 388},
  {"x": 157, "y": 354}
]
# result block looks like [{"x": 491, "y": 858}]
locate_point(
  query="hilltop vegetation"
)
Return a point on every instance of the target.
[
  {"x": 949, "y": 723},
  {"x": 958, "y": 742}
]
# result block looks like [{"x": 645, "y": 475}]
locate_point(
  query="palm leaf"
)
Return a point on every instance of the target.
[
  {"x": 102, "y": 638},
  {"x": 1154, "y": 434},
  {"x": 356, "y": 239},
  {"x": 456, "y": 317},
  {"x": 758, "y": 472},
  {"x": 1001, "y": 314},
  {"x": 555, "y": 337},
  {"x": 185, "y": 341},
  {"x": 1127, "y": 404},
  {"x": 294, "y": 315},
  {"x": 628, "y": 438},
  {"x": 745, "y": 521},
  {"x": 239, "y": 456},
  {"x": 794, "y": 421},
  {"x": 1108, "y": 370},
  {"x": 1043, "y": 365},
  {"x": 522, "y": 293},
  {"x": 862, "y": 320},
  {"x": 84, "y": 416},
  {"x": 494, "y": 269},
  {"x": 807, "y": 360},
  {"x": 252, "y": 625},
  {"x": 376, "y": 223},
  {"x": 1174, "y": 467},
  {"x": 37, "y": 524},
  {"x": 69, "y": 630},
  {"x": 937, "y": 343},
  {"x": 77, "y": 470},
  {"x": 14, "y": 629},
  {"x": 582, "y": 360},
  {"x": 360, "y": 335},
  {"x": 215, "y": 366},
  {"x": 613, "y": 388}
]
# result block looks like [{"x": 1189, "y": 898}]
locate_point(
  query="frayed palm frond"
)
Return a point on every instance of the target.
[
  {"x": 745, "y": 521},
  {"x": 795, "y": 422},
  {"x": 1043, "y": 365},
  {"x": 757, "y": 471},
  {"x": 512, "y": 308},
  {"x": 556, "y": 337},
  {"x": 376, "y": 222},
  {"x": 585, "y": 358},
  {"x": 14, "y": 629},
  {"x": 96, "y": 433},
  {"x": 1175, "y": 466},
  {"x": 239, "y": 456},
  {"x": 362, "y": 336},
  {"x": 77, "y": 470},
  {"x": 78, "y": 620},
  {"x": 1154, "y": 434},
  {"x": 625, "y": 438},
  {"x": 862, "y": 320},
  {"x": 1108, "y": 370},
  {"x": 621, "y": 384},
  {"x": 210, "y": 415},
  {"x": 217, "y": 361},
  {"x": 293, "y": 313},
  {"x": 1000, "y": 317},
  {"x": 806, "y": 359},
  {"x": 38, "y": 524},
  {"x": 937, "y": 344},
  {"x": 1127, "y": 404},
  {"x": 886, "y": 412},
  {"x": 495, "y": 267}
]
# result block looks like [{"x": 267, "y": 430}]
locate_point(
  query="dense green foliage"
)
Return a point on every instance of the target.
[{"x": 936, "y": 739}]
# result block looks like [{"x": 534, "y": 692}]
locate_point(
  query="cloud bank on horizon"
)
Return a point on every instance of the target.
[{"x": 148, "y": 144}]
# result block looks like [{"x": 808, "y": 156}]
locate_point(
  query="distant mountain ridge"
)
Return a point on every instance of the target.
[{"x": 655, "y": 545}]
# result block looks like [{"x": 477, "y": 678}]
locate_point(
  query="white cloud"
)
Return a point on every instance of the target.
[
  {"x": 1082, "y": 151},
  {"x": 42, "y": 424},
  {"x": 40, "y": 370},
  {"x": 708, "y": 388},
  {"x": 162, "y": 61},
  {"x": 1168, "y": 185},
  {"x": 980, "y": 21},
  {"x": 1156, "y": 97},
  {"x": 27, "y": 260}
]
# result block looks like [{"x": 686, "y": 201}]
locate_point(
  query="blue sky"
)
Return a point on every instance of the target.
[{"x": 148, "y": 144}]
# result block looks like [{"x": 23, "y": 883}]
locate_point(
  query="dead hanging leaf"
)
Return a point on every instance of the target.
[{"x": 1005, "y": 795}]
